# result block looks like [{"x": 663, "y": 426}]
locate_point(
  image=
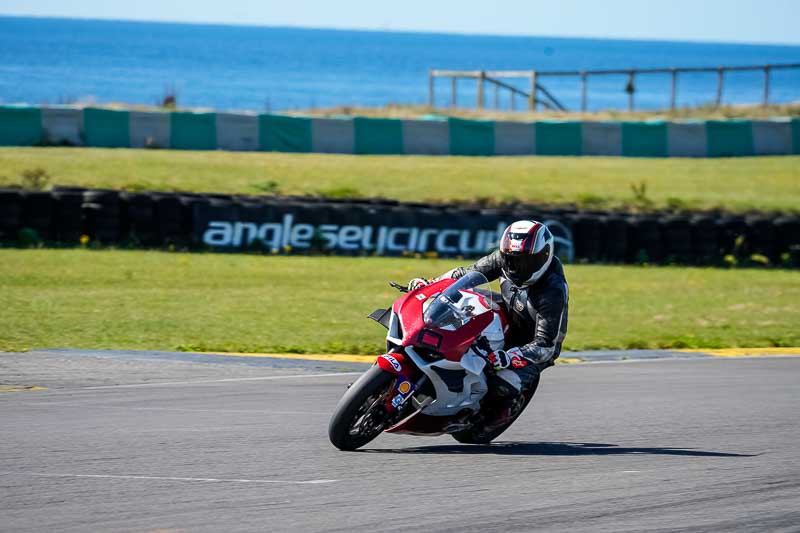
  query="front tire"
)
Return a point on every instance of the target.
[
  {"x": 478, "y": 434},
  {"x": 360, "y": 415}
]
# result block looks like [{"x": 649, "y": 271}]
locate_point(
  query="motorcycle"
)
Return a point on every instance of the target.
[{"x": 434, "y": 378}]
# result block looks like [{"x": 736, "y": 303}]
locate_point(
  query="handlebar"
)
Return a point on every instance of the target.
[{"x": 401, "y": 288}]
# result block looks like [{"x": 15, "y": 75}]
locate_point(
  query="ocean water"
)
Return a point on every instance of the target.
[{"x": 273, "y": 69}]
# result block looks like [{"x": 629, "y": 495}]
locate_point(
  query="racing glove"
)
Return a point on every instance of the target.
[
  {"x": 501, "y": 359},
  {"x": 416, "y": 283}
]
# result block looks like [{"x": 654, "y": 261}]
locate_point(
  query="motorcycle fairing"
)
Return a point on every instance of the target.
[
  {"x": 396, "y": 363},
  {"x": 449, "y": 402},
  {"x": 381, "y": 316},
  {"x": 456, "y": 374},
  {"x": 433, "y": 417},
  {"x": 407, "y": 327}
]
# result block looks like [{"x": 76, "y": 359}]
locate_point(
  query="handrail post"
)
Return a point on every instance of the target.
[
  {"x": 674, "y": 92},
  {"x": 481, "y": 79},
  {"x": 584, "y": 98},
  {"x": 630, "y": 88},
  {"x": 549, "y": 101},
  {"x": 430, "y": 88},
  {"x": 532, "y": 96},
  {"x": 720, "y": 81}
]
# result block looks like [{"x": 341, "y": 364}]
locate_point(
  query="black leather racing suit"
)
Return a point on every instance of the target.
[{"x": 537, "y": 313}]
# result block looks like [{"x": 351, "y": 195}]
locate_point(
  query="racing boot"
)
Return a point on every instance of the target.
[{"x": 511, "y": 392}]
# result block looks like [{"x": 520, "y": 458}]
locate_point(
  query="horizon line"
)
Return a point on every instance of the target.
[{"x": 399, "y": 31}]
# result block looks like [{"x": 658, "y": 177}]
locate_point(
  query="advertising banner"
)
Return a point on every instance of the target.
[{"x": 358, "y": 229}]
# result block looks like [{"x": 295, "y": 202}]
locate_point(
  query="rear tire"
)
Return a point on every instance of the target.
[
  {"x": 360, "y": 415},
  {"x": 477, "y": 434}
]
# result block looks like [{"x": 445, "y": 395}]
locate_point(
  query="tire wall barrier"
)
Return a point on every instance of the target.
[
  {"x": 66, "y": 126},
  {"x": 69, "y": 216}
]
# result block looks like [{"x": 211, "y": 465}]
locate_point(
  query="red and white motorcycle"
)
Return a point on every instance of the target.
[{"x": 434, "y": 378}]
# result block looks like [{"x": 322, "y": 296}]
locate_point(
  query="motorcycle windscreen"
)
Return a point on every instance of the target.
[{"x": 453, "y": 308}]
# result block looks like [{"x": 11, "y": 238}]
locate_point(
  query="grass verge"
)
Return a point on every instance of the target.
[
  {"x": 703, "y": 112},
  {"x": 737, "y": 184},
  {"x": 248, "y": 303}
]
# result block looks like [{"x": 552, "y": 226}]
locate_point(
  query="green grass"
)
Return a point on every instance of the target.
[
  {"x": 738, "y": 184},
  {"x": 174, "y": 301},
  {"x": 703, "y": 112}
]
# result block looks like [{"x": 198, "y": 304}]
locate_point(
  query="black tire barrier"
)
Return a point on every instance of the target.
[
  {"x": 68, "y": 215},
  {"x": 760, "y": 237},
  {"x": 526, "y": 212},
  {"x": 793, "y": 256},
  {"x": 587, "y": 235},
  {"x": 353, "y": 227},
  {"x": 37, "y": 209},
  {"x": 676, "y": 239},
  {"x": 10, "y": 214},
  {"x": 705, "y": 241},
  {"x": 169, "y": 220},
  {"x": 471, "y": 220},
  {"x": 731, "y": 234},
  {"x": 188, "y": 203},
  {"x": 139, "y": 223},
  {"x": 644, "y": 240},
  {"x": 62, "y": 189},
  {"x": 101, "y": 211},
  {"x": 615, "y": 242},
  {"x": 787, "y": 234}
]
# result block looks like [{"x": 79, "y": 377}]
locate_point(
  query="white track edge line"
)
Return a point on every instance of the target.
[
  {"x": 170, "y": 478},
  {"x": 226, "y": 380}
]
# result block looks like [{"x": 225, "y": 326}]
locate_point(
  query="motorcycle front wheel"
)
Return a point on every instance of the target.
[{"x": 360, "y": 415}]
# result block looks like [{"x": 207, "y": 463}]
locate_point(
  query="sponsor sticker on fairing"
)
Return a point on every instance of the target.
[
  {"x": 392, "y": 361},
  {"x": 404, "y": 389}
]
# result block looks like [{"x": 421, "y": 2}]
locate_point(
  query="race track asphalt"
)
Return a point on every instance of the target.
[{"x": 150, "y": 442}]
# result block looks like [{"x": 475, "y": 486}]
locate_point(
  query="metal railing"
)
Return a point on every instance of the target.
[{"x": 537, "y": 94}]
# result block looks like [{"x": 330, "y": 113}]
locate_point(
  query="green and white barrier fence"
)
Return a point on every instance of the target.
[{"x": 28, "y": 126}]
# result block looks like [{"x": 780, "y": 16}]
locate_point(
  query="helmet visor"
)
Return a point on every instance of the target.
[{"x": 522, "y": 266}]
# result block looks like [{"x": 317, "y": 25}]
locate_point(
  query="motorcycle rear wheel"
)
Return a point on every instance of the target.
[
  {"x": 477, "y": 434},
  {"x": 360, "y": 415}
]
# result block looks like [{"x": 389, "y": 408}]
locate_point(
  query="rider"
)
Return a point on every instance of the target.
[{"x": 535, "y": 293}]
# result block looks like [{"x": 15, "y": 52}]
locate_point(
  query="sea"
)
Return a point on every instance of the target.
[{"x": 274, "y": 69}]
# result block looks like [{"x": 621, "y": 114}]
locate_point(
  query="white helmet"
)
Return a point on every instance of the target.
[{"x": 527, "y": 251}]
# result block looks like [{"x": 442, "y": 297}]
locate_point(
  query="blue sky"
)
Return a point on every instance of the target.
[{"x": 750, "y": 21}]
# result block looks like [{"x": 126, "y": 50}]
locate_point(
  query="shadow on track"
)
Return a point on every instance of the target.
[{"x": 552, "y": 448}]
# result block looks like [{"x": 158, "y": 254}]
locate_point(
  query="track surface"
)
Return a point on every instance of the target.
[{"x": 703, "y": 444}]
